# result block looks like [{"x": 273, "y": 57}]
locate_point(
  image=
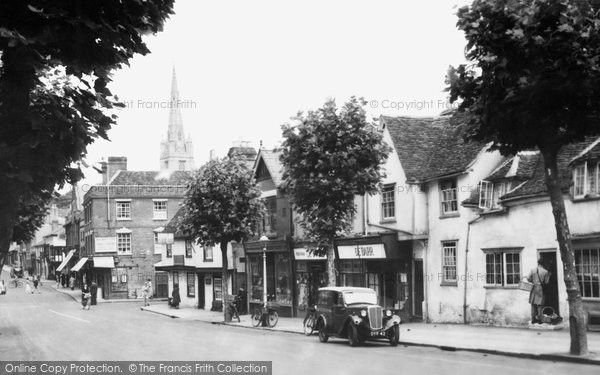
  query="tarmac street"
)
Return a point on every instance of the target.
[{"x": 52, "y": 326}]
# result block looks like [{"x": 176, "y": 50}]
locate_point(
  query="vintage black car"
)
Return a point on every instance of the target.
[{"x": 353, "y": 313}]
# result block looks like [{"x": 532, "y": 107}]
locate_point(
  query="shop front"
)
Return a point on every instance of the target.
[
  {"x": 311, "y": 274},
  {"x": 278, "y": 259},
  {"x": 377, "y": 262}
]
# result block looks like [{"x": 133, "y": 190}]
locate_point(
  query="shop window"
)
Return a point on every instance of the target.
[
  {"x": 217, "y": 289},
  {"x": 283, "y": 289},
  {"x": 256, "y": 278},
  {"x": 449, "y": 263},
  {"x": 352, "y": 272},
  {"x": 118, "y": 280},
  {"x": 191, "y": 284},
  {"x": 448, "y": 196},
  {"x": 503, "y": 267},
  {"x": 587, "y": 267},
  {"x": 374, "y": 282}
]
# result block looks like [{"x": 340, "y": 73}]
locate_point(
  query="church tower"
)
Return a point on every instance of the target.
[{"x": 176, "y": 152}]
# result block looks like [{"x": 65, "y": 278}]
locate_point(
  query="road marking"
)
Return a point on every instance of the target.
[{"x": 70, "y": 316}]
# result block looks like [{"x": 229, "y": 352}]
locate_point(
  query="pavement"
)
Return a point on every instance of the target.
[{"x": 542, "y": 342}]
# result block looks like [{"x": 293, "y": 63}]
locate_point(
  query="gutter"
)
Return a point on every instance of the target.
[{"x": 467, "y": 268}]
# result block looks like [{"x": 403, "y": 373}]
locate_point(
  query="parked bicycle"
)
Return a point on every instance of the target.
[
  {"x": 310, "y": 321},
  {"x": 15, "y": 283},
  {"x": 233, "y": 302},
  {"x": 267, "y": 315}
]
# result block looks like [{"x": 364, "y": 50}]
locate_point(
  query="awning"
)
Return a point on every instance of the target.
[
  {"x": 104, "y": 262},
  {"x": 79, "y": 264},
  {"x": 65, "y": 261}
]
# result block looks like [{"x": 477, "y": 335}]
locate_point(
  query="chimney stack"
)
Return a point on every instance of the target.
[{"x": 110, "y": 168}]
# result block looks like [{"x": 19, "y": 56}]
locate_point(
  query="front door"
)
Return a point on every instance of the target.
[
  {"x": 551, "y": 290},
  {"x": 201, "y": 298},
  {"x": 418, "y": 286},
  {"x": 162, "y": 285}
]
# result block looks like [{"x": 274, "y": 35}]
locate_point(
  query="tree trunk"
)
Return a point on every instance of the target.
[
  {"x": 9, "y": 203},
  {"x": 576, "y": 314},
  {"x": 224, "y": 279},
  {"x": 331, "y": 276}
]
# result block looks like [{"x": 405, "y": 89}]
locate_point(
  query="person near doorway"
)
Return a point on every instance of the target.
[
  {"x": 146, "y": 290},
  {"x": 94, "y": 293},
  {"x": 85, "y": 297},
  {"x": 176, "y": 298},
  {"x": 72, "y": 282},
  {"x": 539, "y": 277}
]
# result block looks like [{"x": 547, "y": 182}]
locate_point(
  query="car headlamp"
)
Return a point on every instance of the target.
[
  {"x": 388, "y": 313},
  {"x": 363, "y": 313}
]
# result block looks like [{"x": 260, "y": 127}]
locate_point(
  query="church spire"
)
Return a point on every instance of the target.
[
  {"x": 175, "y": 132},
  {"x": 176, "y": 152}
]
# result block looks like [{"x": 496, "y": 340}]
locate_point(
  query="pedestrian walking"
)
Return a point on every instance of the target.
[
  {"x": 539, "y": 277},
  {"x": 2, "y": 287},
  {"x": 57, "y": 280},
  {"x": 85, "y": 298},
  {"x": 36, "y": 284},
  {"x": 146, "y": 292},
  {"x": 63, "y": 280},
  {"x": 94, "y": 293},
  {"x": 72, "y": 282},
  {"x": 175, "y": 295}
]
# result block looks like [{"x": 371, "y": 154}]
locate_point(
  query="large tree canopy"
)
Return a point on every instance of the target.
[
  {"x": 56, "y": 58},
  {"x": 330, "y": 157},
  {"x": 534, "y": 82},
  {"x": 222, "y": 204}
]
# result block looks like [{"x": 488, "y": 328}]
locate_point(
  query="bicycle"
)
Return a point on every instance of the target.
[
  {"x": 267, "y": 315},
  {"x": 16, "y": 283},
  {"x": 310, "y": 321},
  {"x": 232, "y": 302}
]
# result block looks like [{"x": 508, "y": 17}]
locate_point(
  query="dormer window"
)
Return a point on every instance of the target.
[
  {"x": 586, "y": 179},
  {"x": 490, "y": 193}
]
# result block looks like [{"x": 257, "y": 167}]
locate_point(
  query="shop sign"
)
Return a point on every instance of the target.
[
  {"x": 374, "y": 251},
  {"x": 105, "y": 244},
  {"x": 303, "y": 254}
]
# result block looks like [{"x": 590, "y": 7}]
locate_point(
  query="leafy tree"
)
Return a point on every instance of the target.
[
  {"x": 56, "y": 59},
  {"x": 330, "y": 157},
  {"x": 534, "y": 82},
  {"x": 222, "y": 205}
]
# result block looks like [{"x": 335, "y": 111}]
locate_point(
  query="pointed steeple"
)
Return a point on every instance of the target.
[
  {"x": 176, "y": 152},
  {"x": 175, "y": 122}
]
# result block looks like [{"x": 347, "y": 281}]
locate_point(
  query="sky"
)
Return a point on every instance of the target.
[{"x": 245, "y": 67}]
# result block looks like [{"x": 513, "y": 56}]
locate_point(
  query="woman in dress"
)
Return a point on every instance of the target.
[
  {"x": 28, "y": 289},
  {"x": 176, "y": 298}
]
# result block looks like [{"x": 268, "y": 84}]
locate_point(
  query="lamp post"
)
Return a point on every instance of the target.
[
  {"x": 264, "y": 240},
  {"x": 264, "y": 316}
]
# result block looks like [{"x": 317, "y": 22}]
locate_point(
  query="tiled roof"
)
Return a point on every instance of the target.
[
  {"x": 430, "y": 147},
  {"x": 273, "y": 164},
  {"x": 536, "y": 185},
  {"x": 173, "y": 224},
  {"x": 150, "y": 178},
  {"x": 592, "y": 152}
]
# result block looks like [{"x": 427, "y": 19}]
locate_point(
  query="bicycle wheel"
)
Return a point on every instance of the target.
[
  {"x": 309, "y": 325},
  {"x": 256, "y": 318},
  {"x": 273, "y": 318}
]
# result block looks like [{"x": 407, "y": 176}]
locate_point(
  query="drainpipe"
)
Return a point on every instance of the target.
[
  {"x": 467, "y": 268},
  {"x": 365, "y": 213}
]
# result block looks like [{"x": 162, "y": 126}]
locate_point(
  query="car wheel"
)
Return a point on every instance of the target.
[
  {"x": 352, "y": 335},
  {"x": 323, "y": 337},
  {"x": 394, "y": 335}
]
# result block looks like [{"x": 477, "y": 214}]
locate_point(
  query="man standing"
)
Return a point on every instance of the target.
[
  {"x": 94, "y": 293},
  {"x": 539, "y": 276}
]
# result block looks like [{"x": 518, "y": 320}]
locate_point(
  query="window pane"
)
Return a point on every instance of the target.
[{"x": 579, "y": 177}]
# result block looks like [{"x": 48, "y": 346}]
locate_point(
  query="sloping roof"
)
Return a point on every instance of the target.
[
  {"x": 273, "y": 164},
  {"x": 173, "y": 224},
  {"x": 150, "y": 178},
  {"x": 536, "y": 184},
  {"x": 430, "y": 147},
  {"x": 592, "y": 152}
]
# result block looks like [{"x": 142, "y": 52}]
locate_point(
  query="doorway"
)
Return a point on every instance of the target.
[
  {"x": 201, "y": 297},
  {"x": 417, "y": 290},
  {"x": 551, "y": 291},
  {"x": 162, "y": 285}
]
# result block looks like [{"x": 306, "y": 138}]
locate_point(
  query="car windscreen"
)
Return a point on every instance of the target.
[{"x": 352, "y": 297}]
